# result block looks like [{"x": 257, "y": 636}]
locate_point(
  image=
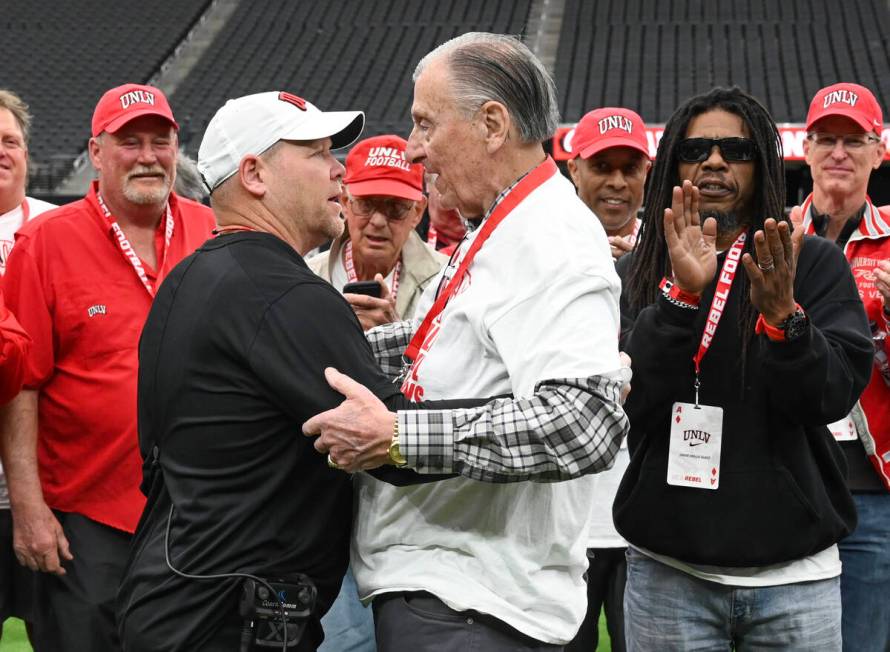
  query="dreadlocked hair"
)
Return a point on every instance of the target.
[{"x": 651, "y": 261}]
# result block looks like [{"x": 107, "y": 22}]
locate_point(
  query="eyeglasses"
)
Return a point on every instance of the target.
[
  {"x": 393, "y": 209},
  {"x": 733, "y": 150},
  {"x": 852, "y": 142}
]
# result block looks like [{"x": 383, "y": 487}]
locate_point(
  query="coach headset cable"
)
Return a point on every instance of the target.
[{"x": 221, "y": 576}]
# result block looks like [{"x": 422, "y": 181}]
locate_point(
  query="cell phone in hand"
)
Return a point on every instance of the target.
[{"x": 368, "y": 288}]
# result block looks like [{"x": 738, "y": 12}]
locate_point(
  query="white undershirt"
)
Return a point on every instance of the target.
[
  {"x": 11, "y": 221},
  {"x": 821, "y": 566}
]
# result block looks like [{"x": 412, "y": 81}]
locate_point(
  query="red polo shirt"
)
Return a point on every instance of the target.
[
  {"x": 14, "y": 347},
  {"x": 80, "y": 299}
]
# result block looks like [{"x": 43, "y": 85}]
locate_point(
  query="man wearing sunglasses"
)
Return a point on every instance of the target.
[
  {"x": 382, "y": 201},
  {"x": 843, "y": 146},
  {"x": 734, "y": 499}
]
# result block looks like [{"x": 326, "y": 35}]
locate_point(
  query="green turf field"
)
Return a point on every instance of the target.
[{"x": 15, "y": 639}]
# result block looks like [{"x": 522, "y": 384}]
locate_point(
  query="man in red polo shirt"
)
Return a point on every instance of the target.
[
  {"x": 843, "y": 146},
  {"x": 81, "y": 280}
]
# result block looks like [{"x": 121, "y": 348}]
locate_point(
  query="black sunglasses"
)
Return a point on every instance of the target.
[{"x": 733, "y": 150}]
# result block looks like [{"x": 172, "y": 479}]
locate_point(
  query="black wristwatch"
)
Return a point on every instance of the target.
[{"x": 795, "y": 325}]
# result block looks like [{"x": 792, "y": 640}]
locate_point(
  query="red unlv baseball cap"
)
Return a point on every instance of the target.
[
  {"x": 849, "y": 100},
  {"x": 379, "y": 166},
  {"x": 609, "y": 127},
  {"x": 124, "y": 103}
]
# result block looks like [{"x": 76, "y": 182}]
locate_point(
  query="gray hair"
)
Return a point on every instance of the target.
[
  {"x": 19, "y": 110},
  {"x": 498, "y": 67},
  {"x": 188, "y": 180}
]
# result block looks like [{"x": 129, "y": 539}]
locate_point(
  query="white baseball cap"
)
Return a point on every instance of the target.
[{"x": 253, "y": 123}]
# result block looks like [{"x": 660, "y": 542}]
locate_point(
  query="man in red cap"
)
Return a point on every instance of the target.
[
  {"x": 843, "y": 146},
  {"x": 382, "y": 201},
  {"x": 81, "y": 280},
  {"x": 446, "y": 228},
  {"x": 609, "y": 169}
]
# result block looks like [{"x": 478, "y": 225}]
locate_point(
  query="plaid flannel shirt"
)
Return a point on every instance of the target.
[{"x": 568, "y": 428}]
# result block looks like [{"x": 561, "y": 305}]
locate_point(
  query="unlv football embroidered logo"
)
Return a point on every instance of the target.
[
  {"x": 98, "y": 309},
  {"x": 290, "y": 98}
]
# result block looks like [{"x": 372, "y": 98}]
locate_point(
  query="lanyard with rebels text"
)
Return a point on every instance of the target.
[
  {"x": 718, "y": 303},
  {"x": 352, "y": 277},
  {"x": 696, "y": 431},
  {"x": 523, "y": 189},
  {"x": 129, "y": 253}
]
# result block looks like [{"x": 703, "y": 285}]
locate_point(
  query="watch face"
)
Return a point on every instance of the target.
[{"x": 795, "y": 326}]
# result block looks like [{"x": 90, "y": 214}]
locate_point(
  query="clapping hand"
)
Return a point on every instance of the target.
[
  {"x": 691, "y": 246},
  {"x": 772, "y": 275}
]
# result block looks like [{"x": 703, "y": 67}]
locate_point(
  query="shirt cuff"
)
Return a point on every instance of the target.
[
  {"x": 426, "y": 439},
  {"x": 673, "y": 314}
]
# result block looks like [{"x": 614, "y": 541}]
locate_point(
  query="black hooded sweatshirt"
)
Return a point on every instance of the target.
[{"x": 782, "y": 494}]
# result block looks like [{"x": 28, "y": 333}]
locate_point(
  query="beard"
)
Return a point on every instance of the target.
[
  {"x": 728, "y": 222},
  {"x": 157, "y": 195},
  {"x": 333, "y": 228}
]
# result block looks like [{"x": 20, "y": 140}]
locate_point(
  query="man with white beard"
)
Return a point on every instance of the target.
[{"x": 81, "y": 280}]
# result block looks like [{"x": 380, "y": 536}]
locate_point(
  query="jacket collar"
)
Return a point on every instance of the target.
[{"x": 873, "y": 225}]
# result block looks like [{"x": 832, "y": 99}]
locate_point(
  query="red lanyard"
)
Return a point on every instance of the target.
[
  {"x": 523, "y": 189},
  {"x": 129, "y": 253},
  {"x": 718, "y": 303},
  {"x": 352, "y": 277},
  {"x": 26, "y": 210}
]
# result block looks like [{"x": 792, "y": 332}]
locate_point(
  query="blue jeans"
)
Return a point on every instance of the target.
[
  {"x": 666, "y": 609},
  {"x": 348, "y": 626},
  {"x": 865, "y": 582}
]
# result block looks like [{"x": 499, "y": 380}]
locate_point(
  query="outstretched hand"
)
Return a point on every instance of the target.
[
  {"x": 356, "y": 434},
  {"x": 772, "y": 275},
  {"x": 692, "y": 247}
]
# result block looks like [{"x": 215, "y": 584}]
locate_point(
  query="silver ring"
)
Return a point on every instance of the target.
[
  {"x": 767, "y": 268},
  {"x": 332, "y": 463}
]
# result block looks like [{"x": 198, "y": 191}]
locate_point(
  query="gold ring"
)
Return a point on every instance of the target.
[{"x": 332, "y": 463}]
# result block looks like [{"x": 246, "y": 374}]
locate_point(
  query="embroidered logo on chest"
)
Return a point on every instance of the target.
[{"x": 98, "y": 309}]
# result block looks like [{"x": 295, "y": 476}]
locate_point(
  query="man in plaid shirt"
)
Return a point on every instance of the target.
[{"x": 527, "y": 307}]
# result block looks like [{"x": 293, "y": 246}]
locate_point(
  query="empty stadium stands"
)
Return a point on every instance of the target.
[
  {"x": 61, "y": 56},
  {"x": 650, "y": 55},
  {"x": 350, "y": 54},
  {"x": 645, "y": 54}
]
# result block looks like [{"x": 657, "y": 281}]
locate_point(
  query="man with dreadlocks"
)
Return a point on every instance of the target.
[{"x": 734, "y": 499}]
